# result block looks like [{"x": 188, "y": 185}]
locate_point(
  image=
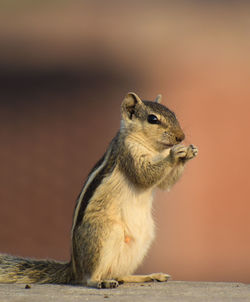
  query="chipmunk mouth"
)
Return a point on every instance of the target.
[{"x": 168, "y": 146}]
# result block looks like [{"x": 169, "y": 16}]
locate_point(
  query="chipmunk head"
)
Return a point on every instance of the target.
[{"x": 152, "y": 122}]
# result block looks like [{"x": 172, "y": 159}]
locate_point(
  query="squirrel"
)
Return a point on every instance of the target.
[{"x": 112, "y": 227}]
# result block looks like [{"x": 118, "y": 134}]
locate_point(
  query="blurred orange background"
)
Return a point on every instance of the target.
[{"x": 64, "y": 70}]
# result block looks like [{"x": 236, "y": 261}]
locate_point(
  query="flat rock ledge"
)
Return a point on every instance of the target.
[{"x": 170, "y": 291}]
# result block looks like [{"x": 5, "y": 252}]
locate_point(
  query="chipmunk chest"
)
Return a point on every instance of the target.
[
  {"x": 137, "y": 219},
  {"x": 138, "y": 232},
  {"x": 131, "y": 227},
  {"x": 134, "y": 207}
]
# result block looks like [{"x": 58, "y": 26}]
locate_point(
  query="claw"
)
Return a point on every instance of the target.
[
  {"x": 184, "y": 153},
  {"x": 108, "y": 284}
]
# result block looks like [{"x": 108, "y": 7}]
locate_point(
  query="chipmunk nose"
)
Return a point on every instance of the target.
[{"x": 180, "y": 137}]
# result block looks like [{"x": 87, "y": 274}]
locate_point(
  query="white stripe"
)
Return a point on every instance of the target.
[{"x": 90, "y": 179}]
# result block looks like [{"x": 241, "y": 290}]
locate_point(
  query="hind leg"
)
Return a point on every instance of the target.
[{"x": 160, "y": 277}]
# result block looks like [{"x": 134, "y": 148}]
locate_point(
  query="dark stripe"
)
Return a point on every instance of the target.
[{"x": 104, "y": 172}]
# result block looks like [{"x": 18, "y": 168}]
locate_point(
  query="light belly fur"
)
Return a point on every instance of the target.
[{"x": 132, "y": 229}]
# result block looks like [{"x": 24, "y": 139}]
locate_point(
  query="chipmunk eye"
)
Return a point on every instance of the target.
[{"x": 152, "y": 119}]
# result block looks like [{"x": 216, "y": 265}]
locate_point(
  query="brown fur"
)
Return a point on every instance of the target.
[
  {"x": 23, "y": 270},
  {"x": 112, "y": 224}
]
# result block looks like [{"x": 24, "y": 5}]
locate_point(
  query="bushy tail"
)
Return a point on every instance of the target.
[{"x": 23, "y": 270}]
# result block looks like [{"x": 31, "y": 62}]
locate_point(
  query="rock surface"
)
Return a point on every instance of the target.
[{"x": 170, "y": 292}]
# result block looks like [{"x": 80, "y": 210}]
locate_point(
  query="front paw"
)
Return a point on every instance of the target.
[
  {"x": 183, "y": 153},
  {"x": 192, "y": 151}
]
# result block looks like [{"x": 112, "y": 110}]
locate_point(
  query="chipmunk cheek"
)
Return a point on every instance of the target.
[{"x": 166, "y": 134}]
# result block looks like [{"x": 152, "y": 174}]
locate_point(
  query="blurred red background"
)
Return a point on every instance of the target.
[{"x": 64, "y": 70}]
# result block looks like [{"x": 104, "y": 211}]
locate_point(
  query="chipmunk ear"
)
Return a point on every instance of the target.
[
  {"x": 158, "y": 98},
  {"x": 129, "y": 104}
]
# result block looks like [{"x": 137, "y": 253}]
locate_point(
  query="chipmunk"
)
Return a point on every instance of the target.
[{"x": 112, "y": 226}]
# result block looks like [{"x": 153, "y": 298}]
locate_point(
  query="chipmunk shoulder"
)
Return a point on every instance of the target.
[{"x": 112, "y": 227}]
